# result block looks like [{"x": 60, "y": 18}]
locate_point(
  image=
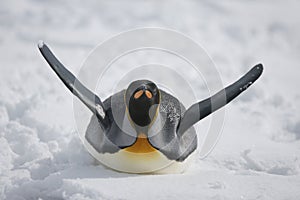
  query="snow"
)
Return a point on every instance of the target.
[{"x": 258, "y": 155}]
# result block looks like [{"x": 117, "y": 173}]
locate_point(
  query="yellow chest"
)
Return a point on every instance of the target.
[{"x": 141, "y": 145}]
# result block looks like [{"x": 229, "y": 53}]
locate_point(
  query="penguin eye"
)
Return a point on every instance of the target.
[
  {"x": 148, "y": 94},
  {"x": 138, "y": 94}
]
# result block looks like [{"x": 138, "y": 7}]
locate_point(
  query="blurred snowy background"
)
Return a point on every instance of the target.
[{"x": 257, "y": 157}]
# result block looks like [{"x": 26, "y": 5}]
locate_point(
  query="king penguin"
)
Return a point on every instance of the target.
[{"x": 143, "y": 129}]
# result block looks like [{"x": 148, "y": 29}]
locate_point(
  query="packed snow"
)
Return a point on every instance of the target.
[{"x": 258, "y": 154}]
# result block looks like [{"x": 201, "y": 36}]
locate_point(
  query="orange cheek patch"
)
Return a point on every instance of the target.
[
  {"x": 148, "y": 94},
  {"x": 138, "y": 94}
]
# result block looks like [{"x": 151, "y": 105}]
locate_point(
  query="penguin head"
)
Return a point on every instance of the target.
[{"x": 142, "y": 100}]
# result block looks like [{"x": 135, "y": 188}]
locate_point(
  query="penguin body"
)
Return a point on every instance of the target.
[
  {"x": 126, "y": 150},
  {"x": 143, "y": 129}
]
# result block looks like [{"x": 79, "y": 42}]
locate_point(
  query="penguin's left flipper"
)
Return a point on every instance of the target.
[
  {"x": 91, "y": 100},
  {"x": 204, "y": 108}
]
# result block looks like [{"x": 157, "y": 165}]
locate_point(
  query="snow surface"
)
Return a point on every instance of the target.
[{"x": 257, "y": 157}]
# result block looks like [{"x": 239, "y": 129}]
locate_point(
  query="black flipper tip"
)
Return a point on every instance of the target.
[
  {"x": 258, "y": 69},
  {"x": 248, "y": 79},
  {"x": 41, "y": 44}
]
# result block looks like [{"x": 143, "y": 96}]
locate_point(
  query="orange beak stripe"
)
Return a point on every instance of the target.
[
  {"x": 148, "y": 94},
  {"x": 138, "y": 94}
]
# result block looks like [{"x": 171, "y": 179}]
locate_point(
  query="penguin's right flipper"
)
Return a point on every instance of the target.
[
  {"x": 204, "y": 108},
  {"x": 91, "y": 100}
]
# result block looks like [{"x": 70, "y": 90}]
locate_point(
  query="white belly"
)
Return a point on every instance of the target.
[
  {"x": 150, "y": 162},
  {"x": 154, "y": 162}
]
